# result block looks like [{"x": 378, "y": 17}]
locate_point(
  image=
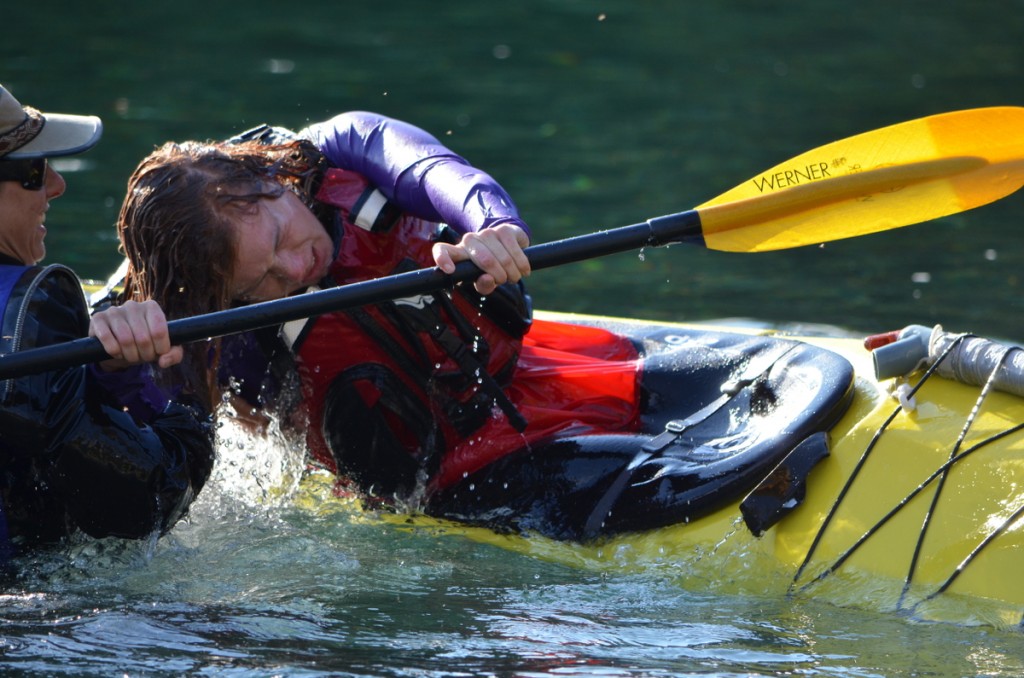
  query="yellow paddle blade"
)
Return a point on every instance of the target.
[{"x": 891, "y": 177}]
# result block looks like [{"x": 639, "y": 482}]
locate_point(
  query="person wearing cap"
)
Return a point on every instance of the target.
[{"x": 100, "y": 449}]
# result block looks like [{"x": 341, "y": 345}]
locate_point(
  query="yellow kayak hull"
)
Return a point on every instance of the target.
[{"x": 888, "y": 522}]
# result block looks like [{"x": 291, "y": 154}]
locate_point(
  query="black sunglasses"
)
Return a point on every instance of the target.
[{"x": 30, "y": 172}]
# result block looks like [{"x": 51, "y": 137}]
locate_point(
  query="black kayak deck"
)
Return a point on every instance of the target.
[{"x": 720, "y": 410}]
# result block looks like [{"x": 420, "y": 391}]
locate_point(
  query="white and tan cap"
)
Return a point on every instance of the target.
[{"x": 27, "y": 133}]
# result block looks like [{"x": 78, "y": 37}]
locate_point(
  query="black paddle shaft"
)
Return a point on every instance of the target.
[{"x": 673, "y": 228}]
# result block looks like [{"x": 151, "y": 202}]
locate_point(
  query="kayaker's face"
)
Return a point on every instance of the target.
[
  {"x": 22, "y": 214},
  {"x": 280, "y": 248}
]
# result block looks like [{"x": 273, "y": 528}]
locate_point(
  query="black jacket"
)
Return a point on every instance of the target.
[{"x": 71, "y": 457}]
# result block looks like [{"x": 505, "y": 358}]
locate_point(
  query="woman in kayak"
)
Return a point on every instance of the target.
[
  {"x": 99, "y": 449},
  {"x": 405, "y": 399},
  {"x": 459, "y": 404}
]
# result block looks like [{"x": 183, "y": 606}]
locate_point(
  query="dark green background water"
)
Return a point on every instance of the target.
[{"x": 593, "y": 115}]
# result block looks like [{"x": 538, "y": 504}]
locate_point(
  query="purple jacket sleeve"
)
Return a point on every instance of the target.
[
  {"x": 415, "y": 170},
  {"x": 134, "y": 389}
]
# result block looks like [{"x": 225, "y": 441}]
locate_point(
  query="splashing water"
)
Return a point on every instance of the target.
[{"x": 260, "y": 468}]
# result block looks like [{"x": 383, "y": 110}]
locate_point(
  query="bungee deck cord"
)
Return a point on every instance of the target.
[{"x": 994, "y": 366}]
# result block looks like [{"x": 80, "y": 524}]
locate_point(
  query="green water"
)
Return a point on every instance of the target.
[{"x": 593, "y": 115}]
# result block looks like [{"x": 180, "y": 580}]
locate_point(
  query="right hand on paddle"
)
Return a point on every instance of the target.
[
  {"x": 497, "y": 251},
  {"x": 135, "y": 332}
]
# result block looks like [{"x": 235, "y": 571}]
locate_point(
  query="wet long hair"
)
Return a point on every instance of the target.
[{"x": 175, "y": 228}]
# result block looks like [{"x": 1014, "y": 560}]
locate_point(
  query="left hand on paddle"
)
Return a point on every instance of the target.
[
  {"x": 497, "y": 251},
  {"x": 135, "y": 332}
]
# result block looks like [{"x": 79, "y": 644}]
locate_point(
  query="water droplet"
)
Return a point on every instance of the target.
[{"x": 279, "y": 66}]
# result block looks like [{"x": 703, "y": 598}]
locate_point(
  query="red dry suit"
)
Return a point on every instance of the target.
[{"x": 432, "y": 388}]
